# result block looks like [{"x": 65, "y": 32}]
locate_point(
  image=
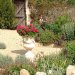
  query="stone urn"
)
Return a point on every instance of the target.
[{"x": 28, "y": 43}]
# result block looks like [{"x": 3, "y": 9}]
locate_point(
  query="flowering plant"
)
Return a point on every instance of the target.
[{"x": 29, "y": 30}]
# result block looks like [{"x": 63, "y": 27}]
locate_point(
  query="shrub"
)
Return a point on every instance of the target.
[
  {"x": 57, "y": 64},
  {"x": 36, "y": 24},
  {"x": 7, "y": 14},
  {"x": 45, "y": 26},
  {"x": 2, "y": 46},
  {"x": 16, "y": 69},
  {"x": 61, "y": 20},
  {"x": 21, "y": 60},
  {"x": 71, "y": 2},
  {"x": 45, "y": 37},
  {"x": 21, "y": 63},
  {"x": 70, "y": 49},
  {"x": 68, "y": 30},
  {"x": 5, "y": 61},
  {"x": 30, "y": 68},
  {"x": 58, "y": 39}
]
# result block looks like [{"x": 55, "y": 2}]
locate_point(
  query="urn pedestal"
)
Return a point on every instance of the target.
[{"x": 28, "y": 43}]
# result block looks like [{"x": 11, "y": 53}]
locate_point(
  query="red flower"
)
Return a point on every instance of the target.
[
  {"x": 20, "y": 27},
  {"x": 24, "y": 30},
  {"x": 27, "y": 29}
]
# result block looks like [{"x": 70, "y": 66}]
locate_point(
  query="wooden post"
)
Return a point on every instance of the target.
[{"x": 25, "y": 11}]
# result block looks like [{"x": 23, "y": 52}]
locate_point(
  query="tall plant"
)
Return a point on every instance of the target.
[{"x": 7, "y": 14}]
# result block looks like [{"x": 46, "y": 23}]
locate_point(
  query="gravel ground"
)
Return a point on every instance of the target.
[{"x": 14, "y": 45}]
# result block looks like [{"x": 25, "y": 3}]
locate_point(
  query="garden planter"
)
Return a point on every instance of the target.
[{"x": 28, "y": 43}]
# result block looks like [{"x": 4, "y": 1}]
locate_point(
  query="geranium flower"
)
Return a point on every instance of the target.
[{"x": 27, "y": 30}]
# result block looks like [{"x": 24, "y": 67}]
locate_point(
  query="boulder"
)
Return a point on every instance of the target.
[
  {"x": 30, "y": 56},
  {"x": 49, "y": 72},
  {"x": 24, "y": 72},
  {"x": 40, "y": 73},
  {"x": 70, "y": 70}
]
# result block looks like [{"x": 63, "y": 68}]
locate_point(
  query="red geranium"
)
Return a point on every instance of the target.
[{"x": 27, "y": 30}]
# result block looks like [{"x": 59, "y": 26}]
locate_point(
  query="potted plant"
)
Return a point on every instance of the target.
[{"x": 27, "y": 33}]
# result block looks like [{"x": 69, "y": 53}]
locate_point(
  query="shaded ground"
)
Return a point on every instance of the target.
[{"x": 14, "y": 45}]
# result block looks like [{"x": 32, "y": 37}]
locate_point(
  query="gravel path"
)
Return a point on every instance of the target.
[{"x": 14, "y": 46}]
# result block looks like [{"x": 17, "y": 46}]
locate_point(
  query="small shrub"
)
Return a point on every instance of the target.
[
  {"x": 70, "y": 49},
  {"x": 21, "y": 63},
  {"x": 7, "y": 14},
  {"x": 5, "y": 61},
  {"x": 30, "y": 68},
  {"x": 45, "y": 37},
  {"x": 45, "y": 26},
  {"x": 15, "y": 69},
  {"x": 61, "y": 20},
  {"x": 55, "y": 28},
  {"x": 57, "y": 64},
  {"x": 36, "y": 24},
  {"x": 2, "y": 46},
  {"x": 58, "y": 39},
  {"x": 21, "y": 60},
  {"x": 68, "y": 30},
  {"x": 71, "y": 2}
]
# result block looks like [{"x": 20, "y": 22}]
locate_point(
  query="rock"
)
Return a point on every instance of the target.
[
  {"x": 2, "y": 45},
  {"x": 70, "y": 70},
  {"x": 24, "y": 72},
  {"x": 2, "y": 70},
  {"x": 30, "y": 56},
  {"x": 40, "y": 73},
  {"x": 49, "y": 72},
  {"x": 39, "y": 55}
]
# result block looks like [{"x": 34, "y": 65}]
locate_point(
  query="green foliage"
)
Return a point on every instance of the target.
[
  {"x": 71, "y": 2},
  {"x": 45, "y": 37},
  {"x": 61, "y": 20},
  {"x": 15, "y": 69},
  {"x": 7, "y": 14},
  {"x": 55, "y": 28},
  {"x": 30, "y": 68},
  {"x": 2, "y": 46},
  {"x": 68, "y": 30},
  {"x": 57, "y": 64},
  {"x": 21, "y": 63},
  {"x": 5, "y": 61},
  {"x": 37, "y": 26},
  {"x": 70, "y": 49},
  {"x": 21, "y": 60},
  {"x": 46, "y": 26}
]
